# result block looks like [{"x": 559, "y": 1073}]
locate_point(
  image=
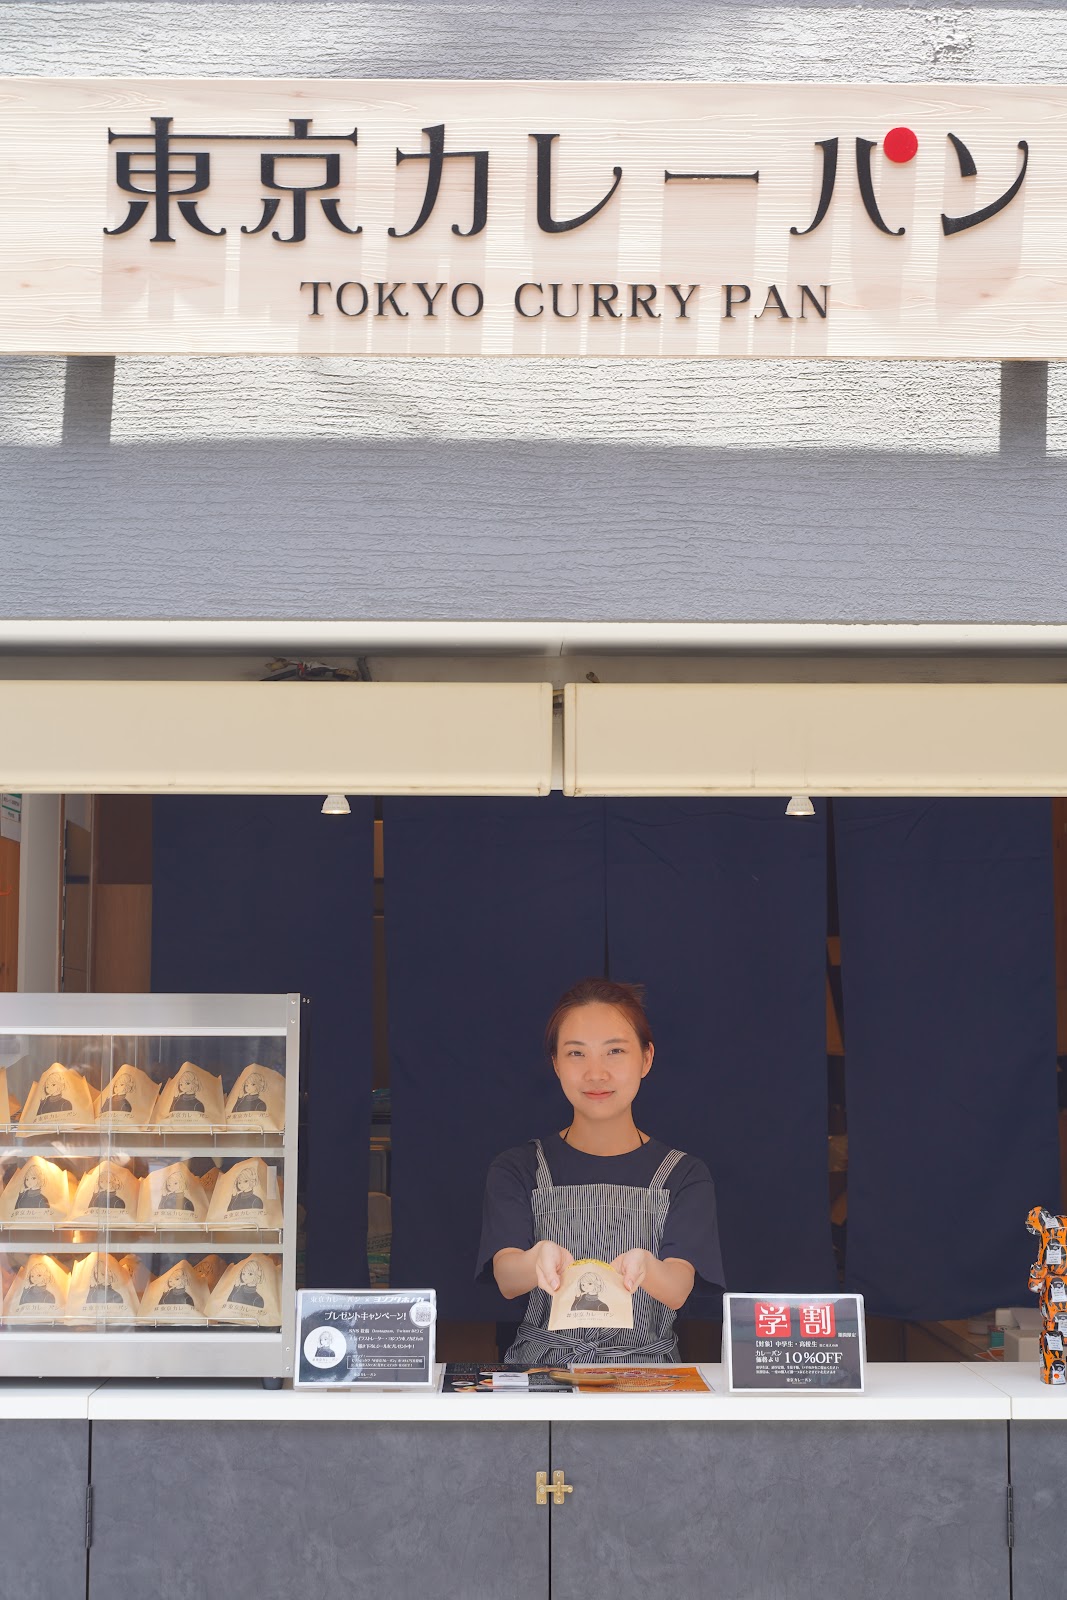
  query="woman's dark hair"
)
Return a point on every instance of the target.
[{"x": 625, "y": 997}]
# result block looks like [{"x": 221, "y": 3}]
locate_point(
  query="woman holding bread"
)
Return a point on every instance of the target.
[{"x": 601, "y": 1189}]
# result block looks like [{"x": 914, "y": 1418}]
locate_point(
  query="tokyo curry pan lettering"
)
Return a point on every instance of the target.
[{"x": 600, "y": 219}]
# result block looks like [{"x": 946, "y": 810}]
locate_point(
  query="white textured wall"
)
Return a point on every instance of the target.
[{"x": 475, "y": 489}]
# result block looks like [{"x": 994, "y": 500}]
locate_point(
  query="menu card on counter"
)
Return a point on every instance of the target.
[
  {"x": 365, "y": 1338},
  {"x": 792, "y": 1343},
  {"x": 493, "y": 1378},
  {"x": 489, "y": 1377}
]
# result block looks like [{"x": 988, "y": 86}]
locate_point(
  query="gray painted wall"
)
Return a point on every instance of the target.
[{"x": 473, "y": 489}]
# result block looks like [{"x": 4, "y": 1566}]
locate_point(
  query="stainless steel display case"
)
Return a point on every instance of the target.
[{"x": 105, "y": 1330}]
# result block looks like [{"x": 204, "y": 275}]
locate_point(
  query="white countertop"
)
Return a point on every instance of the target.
[
  {"x": 934, "y": 1390},
  {"x": 911, "y": 1391},
  {"x": 1031, "y": 1400},
  {"x": 56, "y": 1398}
]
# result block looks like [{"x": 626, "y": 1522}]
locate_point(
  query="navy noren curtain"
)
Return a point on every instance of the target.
[
  {"x": 947, "y": 953},
  {"x": 719, "y": 906},
  {"x": 261, "y": 895},
  {"x": 492, "y": 909}
]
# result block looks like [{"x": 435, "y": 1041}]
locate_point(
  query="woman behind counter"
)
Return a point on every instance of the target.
[{"x": 601, "y": 1189}]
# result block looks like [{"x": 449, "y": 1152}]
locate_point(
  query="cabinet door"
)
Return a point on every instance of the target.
[
  {"x": 1038, "y": 1475},
  {"x": 782, "y": 1511},
  {"x": 258, "y": 1510},
  {"x": 44, "y": 1471}
]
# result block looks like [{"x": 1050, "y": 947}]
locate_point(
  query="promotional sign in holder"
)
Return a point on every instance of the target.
[
  {"x": 365, "y": 1339},
  {"x": 794, "y": 1343}
]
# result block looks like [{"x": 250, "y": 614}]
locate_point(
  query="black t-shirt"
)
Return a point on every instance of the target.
[{"x": 690, "y": 1233}]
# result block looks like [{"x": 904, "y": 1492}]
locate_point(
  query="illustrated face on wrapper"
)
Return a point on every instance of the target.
[
  {"x": 62, "y": 1099},
  {"x": 246, "y": 1196},
  {"x": 38, "y": 1195},
  {"x": 248, "y": 1291},
  {"x": 177, "y": 1295},
  {"x": 172, "y": 1197},
  {"x": 257, "y": 1101},
  {"x": 101, "y": 1289},
  {"x": 107, "y": 1193},
  {"x": 128, "y": 1100},
  {"x": 39, "y": 1292},
  {"x": 591, "y": 1295},
  {"x": 192, "y": 1098}
]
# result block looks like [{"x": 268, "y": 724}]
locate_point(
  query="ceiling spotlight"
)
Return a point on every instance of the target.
[
  {"x": 336, "y": 805},
  {"x": 799, "y": 806}
]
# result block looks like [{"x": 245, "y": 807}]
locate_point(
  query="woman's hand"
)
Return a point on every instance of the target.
[
  {"x": 518, "y": 1271},
  {"x": 633, "y": 1266},
  {"x": 670, "y": 1281},
  {"x": 549, "y": 1261}
]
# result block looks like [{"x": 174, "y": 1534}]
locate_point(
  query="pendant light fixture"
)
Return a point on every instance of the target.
[
  {"x": 336, "y": 805},
  {"x": 800, "y": 806}
]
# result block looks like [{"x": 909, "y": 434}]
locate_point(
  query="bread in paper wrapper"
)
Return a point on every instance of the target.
[
  {"x": 127, "y": 1100},
  {"x": 100, "y": 1288},
  {"x": 257, "y": 1100},
  {"x": 137, "y": 1268},
  {"x": 107, "y": 1195},
  {"x": 9, "y": 1106},
  {"x": 246, "y": 1197},
  {"x": 37, "y": 1196},
  {"x": 60, "y": 1099},
  {"x": 209, "y": 1179},
  {"x": 39, "y": 1292},
  {"x": 177, "y": 1295},
  {"x": 248, "y": 1291},
  {"x": 191, "y": 1099},
  {"x": 172, "y": 1197},
  {"x": 209, "y": 1270},
  {"x": 591, "y": 1295}
]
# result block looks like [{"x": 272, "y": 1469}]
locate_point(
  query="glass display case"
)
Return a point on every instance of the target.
[{"x": 148, "y": 1184}]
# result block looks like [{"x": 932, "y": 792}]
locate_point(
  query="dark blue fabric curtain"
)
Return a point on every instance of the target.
[
  {"x": 947, "y": 955},
  {"x": 719, "y": 906},
  {"x": 492, "y": 909},
  {"x": 264, "y": 895}
]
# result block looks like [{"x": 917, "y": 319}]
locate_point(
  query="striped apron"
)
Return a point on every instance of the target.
[{"x": 601, "y": 1221}]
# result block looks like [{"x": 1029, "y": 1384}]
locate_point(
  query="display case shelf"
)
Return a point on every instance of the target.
[
  {"x": 141, "y": 1242},
  {"x": 240, "y": 1281},
  {"x": 83, "y": 1144}
]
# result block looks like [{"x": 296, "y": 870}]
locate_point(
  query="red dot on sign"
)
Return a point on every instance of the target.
[{"x": 900, "y": 144}]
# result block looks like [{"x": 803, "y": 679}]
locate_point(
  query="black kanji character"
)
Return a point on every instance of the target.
[
  {"x": 330, "y": 204},
  {"x": 160, "y": 171}
]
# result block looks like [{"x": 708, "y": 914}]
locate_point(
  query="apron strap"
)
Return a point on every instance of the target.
[
  {"x": 665, "y": 1168},
  {"x": 544, "y": 1177}
]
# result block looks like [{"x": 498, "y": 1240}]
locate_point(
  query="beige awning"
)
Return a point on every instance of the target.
[
  {"x": 152, "y": 737},
  {"x": 815, "y": 738}
]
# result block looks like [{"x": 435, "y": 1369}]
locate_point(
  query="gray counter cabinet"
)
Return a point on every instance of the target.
[
  {"x": 397, "y": 1511},
  {"x": 1039, "y": 1484},
  {"x": 406, "y": 1510},
  {"x": 44, "y": 1467},
  {"x": 787, "y": 1511}
]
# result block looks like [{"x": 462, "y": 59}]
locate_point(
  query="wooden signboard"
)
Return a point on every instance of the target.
[{"x": 587, "y": 219}]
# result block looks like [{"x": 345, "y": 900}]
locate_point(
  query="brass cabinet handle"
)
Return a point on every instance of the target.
[{"x": 560, "y": 1488}]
